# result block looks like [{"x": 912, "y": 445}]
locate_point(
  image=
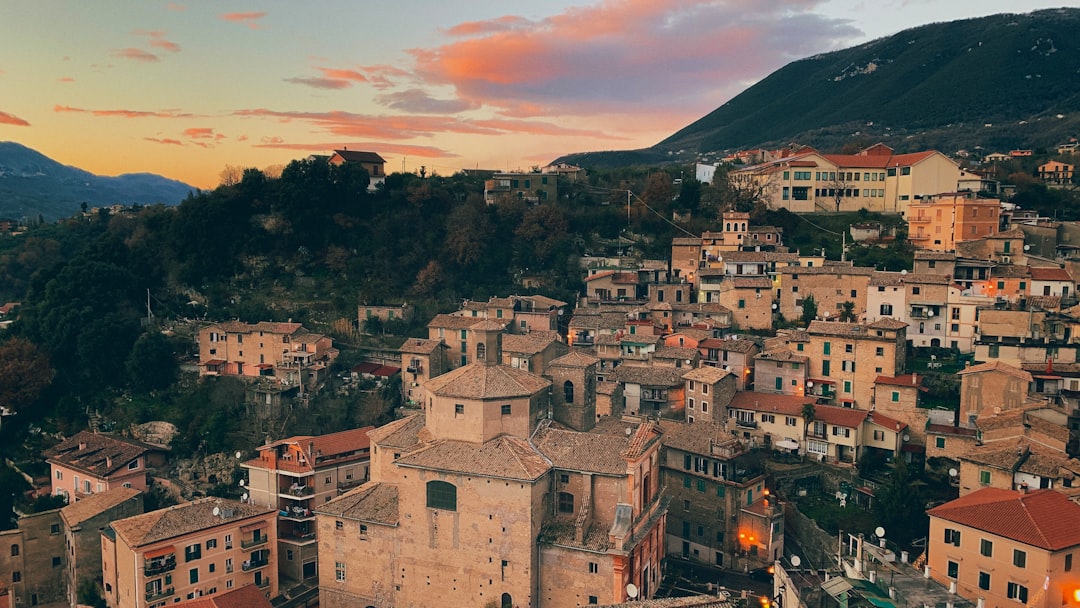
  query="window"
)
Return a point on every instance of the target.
[
  {"x": 687, "y": 462},
  {"x": 886, "y": 309},
  {"x": 952, "y": 537},
  {"x": 1068, "y": 563},
  {"x": 594, "y": 567},
  {"x": 879, "y": 435},
  {"x": 441, "y": 495},
  {"x": 827, "y": 348},
  {"x": 984, "y": 477},
  {"x": 339, "y": 525},
  {"x": 55, "y": 561},
  {"x": 847, "y": 383},
  {"x": 568, "y": 391},
  {"x": 459, "y": 409},
  {"x": 690, "y": 404},
  {"x": 1018, "y": 592},
  {"x": 905, "y": 170},
  {"x": 687, "y": 482},
  {"x": 984, "y": 581},
  {"x": 896, "y": 396},
  {"x": 701, "y": 485},
  {"x": 134, "y": 464},
  {"x": 193, "y": 576},
  {"x": 953, "y": 569},
  {"x": 939, "y": 442},
  {"x": 211, "y": 567},
  {"x": 915, "y": 290},
  {"x": 193, "y": 552},
  {"x": 54, "y": 529},
  {"x": 742, "y": 303},
  {"x": 593, "y": 600},
  {"x": 505, "y": 409},
  {"x": 16, "y": 576},
  {"x": 704, "y": 407},
  {"x": 211, "y": 544},
  {"x": 986, "y": 547},
  {"x": 789, "y": 421},
  {"x": 1019, "y": 558},
  {"x": 566, "y": 502},
  {"x": 826, "y": 368},
  {"x": 339, "y": 572},
  {"x": 228, "y": 565}
]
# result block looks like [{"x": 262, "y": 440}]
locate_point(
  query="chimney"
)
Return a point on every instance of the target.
[
  {"x": 311, "y": 451},
  {"x": 914, "y": 379}
]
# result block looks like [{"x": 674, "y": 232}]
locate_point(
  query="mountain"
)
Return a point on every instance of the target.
[
  {"x": 32, "y": 185},
  {"x": 995, "y": 83}
]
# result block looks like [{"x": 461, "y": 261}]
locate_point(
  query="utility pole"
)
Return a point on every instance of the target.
[{"x": 628, "y": 193}]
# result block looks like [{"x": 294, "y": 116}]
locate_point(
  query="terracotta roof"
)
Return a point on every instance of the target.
[
  {"x": 575, "y": 358},
  {"x": 997, "y": 366},
  {"x": 248, "y": 596},
  {"x": 706, "y": 374},
  {"x": 837, "y": 269},
  {"x": 926, "y": 254},
  {"x": 402, "y": 434},
  {"x": 906, "y": 381},
  {"x": 782, "y": 354},
  {"x": 749, "y": 283},
  {"x": 789, "y": 405},
  {"x": 530, "y": 343},
  {"x": 887, "y": 323},
  {"x": 564, "y": 533},
  {"x": 454, "y": 322},
  {"x": 420, "y": 346},
  {"x": 701, "y": 307},
  {"x": 480, "y": 381},
  {"x": 946, "y": 429},
  {"x": 1009, "y": 271},
  {"x": 183, "y": 519},
  {"x": 1042, "y": 518},
  {"x": 505, "y": 457},
  {"x": 97, "y": 454},
  {"x": 1012, "y": 233},
  {"x": 96, "y": 504},
  {"x": 649, "y": 376},
  {"x": 676, "y": 352},
  {"x": 885, "y": 279},
  {"x": 737, "y": 345},
  {"x": 697, "y": 438},
  {"x": 697, "y": 601},
  {"x": 885, "y": 421},
  {"x": 1049, "y": 274},
  {"x": 240, "y": 327},
  {"x": 594, "y": 452},
  {"x": 358, "y": 156},
  {"x": 374, "y": 502}
]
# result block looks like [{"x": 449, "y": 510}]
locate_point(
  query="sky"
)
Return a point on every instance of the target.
[{"x": 183, "y": 89}]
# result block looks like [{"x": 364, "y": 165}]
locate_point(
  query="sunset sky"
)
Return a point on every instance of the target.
[{"x": 184, "y": 88}]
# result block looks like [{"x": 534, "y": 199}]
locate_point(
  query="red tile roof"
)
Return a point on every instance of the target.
[
  {"x": 248, "y": 596},
  {"x": 1049, "y": 274},
  {"x": 1042, "y": 518}
]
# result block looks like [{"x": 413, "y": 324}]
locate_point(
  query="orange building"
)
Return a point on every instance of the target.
[
  {"x": 286, "y": 351},
  {"x": 90, "y": 463},
  {"x": 940, "y": 222}
]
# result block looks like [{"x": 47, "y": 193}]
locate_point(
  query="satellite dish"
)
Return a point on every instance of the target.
[
  {"x": 879, "y": 532},
  {"x": 217, "y": 511},
  {"x": 826, "y": 314},
  {"x": 809, "y": 384},
  {"x": 929, "y": 313},
  {"x": 775, "y": 306},
  {"x": 631, "y": 590},
  {"x": 244, "y": 497},
  {"x": 952, "y": 472},
  {"x": 1027, "y": 247},
  {"x": 796, "y": 561},
  {"x": 238, "y": 455},
  {"x": 903, "y": 271},
  {"x": 241, "y": 483},
  {"x": 907, "y": 437}
]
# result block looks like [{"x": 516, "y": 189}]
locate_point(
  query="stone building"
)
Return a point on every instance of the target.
[
  {"x": 708, "y": 391},
  {"x": 573, "y": 394},
  {"x": 83, "y": 522},
  {"x": 33, "y": 559}
]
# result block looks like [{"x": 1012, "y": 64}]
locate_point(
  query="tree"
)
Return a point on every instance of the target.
[
  {"x": 25, "y": 372},
  {"x": 151, "y": 364},
  {"x": 231, "y": 175},
  {"x": 741, "y": 191},
  {"x": 809, "y": 310},
  {"x": 900, "y": 507},
  {"x": 847, "y": 312}
]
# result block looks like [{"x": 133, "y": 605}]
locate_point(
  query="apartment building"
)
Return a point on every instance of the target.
[
  {"x": 850, "y": 356},
  {"x": 528, "y": 313},
  {"x": 33, "y": 560},
  {"x": 1004, "y": 547},
  {"x": 708, "y": 391},
  {"x": 421, "y": 360},
  {"x": 781, "y": 371},
  {"x": 82, "y": 524},
  {"x": 88, "y": 463},
  {"x": 734, "y": 354},
  {"x": 831, "y": 286},
  {"x": 942, "y": 221},
  {"x": 286, "y": 352},
  {"x": 295, "y": 475},
  {"x": 189, "y": 550},
  {"x": 460, "y": 333}
]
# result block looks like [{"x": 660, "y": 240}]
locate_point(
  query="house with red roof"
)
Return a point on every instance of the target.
[
  {"x": 1004, "y": 548},
  {"x": 1053, "y": 281},
  {"x": 370, "y": 161}
]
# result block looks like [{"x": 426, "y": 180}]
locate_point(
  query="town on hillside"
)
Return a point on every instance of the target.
[{"x": 737, "y": 423}]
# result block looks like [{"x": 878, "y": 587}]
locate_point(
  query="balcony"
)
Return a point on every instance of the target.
[
  {"x": 153, "y": 596},
  {"x": 344, "y": 486},
  {"x": 415, "y": 368},
  {"x": 746, "y": 424},
  {"x": 815, "y": 435},
  {"x": 254, "y": 564},
  {"x": 154, "y": 567},
  {"x": 297, "y": 538},
  {"x": 918, "y": 237},
  {"x": 918, "y": 220},
  {"x": 263, "y": 583},
  {"x": 296, "y": 514},
  {"x": 254, "y": 542},
  {"x": 298, "y": 491}
]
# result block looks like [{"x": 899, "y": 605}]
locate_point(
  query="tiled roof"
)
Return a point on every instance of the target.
[
  {"x": 946, "y": 429},
  {"x": 183, "y": 519},
  {"x": 564, "y": 533},
  {"x": 575, "y": 358},
  {"x": 594, "y": 452},
  {"x": 676, "y": 352},
  {"x": 696, "y": 601},
  {"x": 649, "y": 376},
  {"x": 1045, "y": 302},
  {"x": 996, "y": 366},
  {"x": 400, "y": 434},
  {"x": 1009, "y": 271},
  {"x": 640, "y": 339},
  {"x": 886, "y": 279},
  {"x": 606, "y": 388},
  {"x": 782, "y": 354},
  {"x": 97, "y": 454},
  {"x": 907, "y": 381},
  {"x": 1042, "y": 518},
  {"x": 849, "y": 270},
  {"x": 701, "y": 308},
  {"x": 1012, "y": 233},
  {"x": 926, "y": 254},
  {"x": 737, "y": 345},
  {"x": 479, "y": 381},
  {"x": 96, "y": 504},
  {"x": 374, "y": 501},
  {"x": 707, "y": 374},
  {"x": 749, "y": 283},
  {"x": 530, "y": 343},
  {"x": 693, "y": 333},
  {"x": 697, "y": 438},
  {"x": 887, "y": 323},
  {"x": 505, "y": 457},
  {"x": 359, "y": 156},
  {"x": 420, "y": 346},
  {"x": 240, "y": 327},
  {"x": 248, "y": 596},
  {"x": 789, "y": 405},
  {"x": 885, "y": 421},
  {"x": 1049, "y": 274},
  {"x": 454, "y": 322},
  {"x": 927, "y": 279}
]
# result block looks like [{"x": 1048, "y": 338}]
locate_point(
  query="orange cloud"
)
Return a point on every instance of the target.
[
  {"x": 250, "y": 19},
  {"x": 338, "y": 74},
  {"x": 172, "y": 6},
  {"x": 199, "y": 133},
  {"x": 11, "y": 119},
  {"x": 383, "y": 147},
  {"x": 157, "y": 140},
  {"x": 136, "y": 54},
  {"x": 65, "y": 79},
  {"x": 125, "y": 113},
  {"x": 156, "y": 39}
]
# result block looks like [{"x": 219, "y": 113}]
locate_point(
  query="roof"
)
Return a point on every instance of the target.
[
  {"x": 738, "y": 345},
  {"x": 96, "y": 504},
  {"x": 358, "y": 156},
  {"x": 530, "y": 343},
  {"x": 837, "y": 269},
  {"x": 1042, "y": 518},
  {"x": 887, "y": 323},
  {"x": 926, "y": 254},
  {"x": 790, "y": 405},
  {"x": 326, "y": 447},
  {"x": 505, "y": 457},
  {"x": 374, "y": 502},
  {"x": 887, "y": 422},
  {"x": 183, "y": 519},
  {"x": 906, "y": 381},
  {"x": 575, "y": 358},
  {"x": 97, "y": 454},
  {"x": 269, "y": 327},
  {"x": 996, "y": 366},
  {"x": 480, "y": 381},
  {"x": 248, "y": 596},
  {"x": 604, "y": 450},
  {"x": 1049, "y": 274},
  {"x": 420, "y": 346},
  {"x": 697, "y": 438},
  {"x": 676, "y": 352},
  {"x": 400, "y": 434},
  {"x": 782, "y": 354},
  {"x": 649, "y": 376},
  {"x": 454, "y": 321},
  {"x": 707, "y": 374}
]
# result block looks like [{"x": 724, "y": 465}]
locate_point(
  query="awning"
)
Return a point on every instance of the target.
[
  {"x": 822, "y": 381},
  {"x": 787, "y": 444},
  {"x": 1045, "y": 377},
  {"x": 265, "y": 366},
  {"x": 214, "y": 362},
  {"x": 162, "y": 552}
]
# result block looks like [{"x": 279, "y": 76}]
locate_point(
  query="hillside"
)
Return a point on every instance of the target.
[
  {"x": 996, "y": 82},
  {"x": 32, "y": 184}
]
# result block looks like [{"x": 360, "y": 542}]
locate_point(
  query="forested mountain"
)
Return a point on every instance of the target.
[
  {"x": 33, "y": 185},
  {"x": 995, "y": 83}
]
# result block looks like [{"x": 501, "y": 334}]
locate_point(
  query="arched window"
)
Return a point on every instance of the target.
[
  {"x": 568, "y": 391},
  {"x": 481, "y": 351},
  {"x": 507, "y": 601},
  {"x": 441, "y": 495},
  {"x": 566, "y": 502}
]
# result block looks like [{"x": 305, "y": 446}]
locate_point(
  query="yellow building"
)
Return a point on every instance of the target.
[
  {"x": 942, "y": 221},
  {"x": 1004, "y": 548},
  {"x": 851, "y": 356}
]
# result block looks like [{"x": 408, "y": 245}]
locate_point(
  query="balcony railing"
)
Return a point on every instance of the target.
[
  {"x": 299, "y": 491},
  {"x": 816, "y": 435},
  {"x": 159, "y": 566},
  {"x": 747, "y": 424},
  {"x": 254, "y": 542},
  {"x": 153, "y": 596},
  {"x": 254, "y": 564},
  {"x": 263, "y": 583}
]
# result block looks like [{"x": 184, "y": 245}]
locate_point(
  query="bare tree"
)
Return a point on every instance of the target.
[{"x": 231, "y": 175}]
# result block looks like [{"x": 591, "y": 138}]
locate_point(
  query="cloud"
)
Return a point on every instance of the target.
[
  {"x": 172, "y": 6},
  {"x": 272, "y": 141},
  {"x": 159, "y": 140},
  {"x": 320, "y": 83},
  {"x": 416, "y": 100},
  {"x": 339, "y": 74},
  {"x": 136, "y": 54},
  {"x": 11, "y": 119},
  {"x": 627, "y": 56},
  {"x": 65, "y": 79},
  {"x": 199, "y": 133},
  {"x": 124, "y": 113},
  {"x": 250, "y": 19},
  {"x": 156, "y": 39},
  {"x": 348, "y": 124},
  {"x": 383, "y": 147}
]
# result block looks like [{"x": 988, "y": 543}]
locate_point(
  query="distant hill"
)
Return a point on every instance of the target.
[
  {"x": 992, "y": 83},
  {"x": 32, "y": 184}
]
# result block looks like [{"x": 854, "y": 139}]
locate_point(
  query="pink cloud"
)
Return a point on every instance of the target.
[
  {"x": 241, "y": 138},
  {"x": 156, "y": 39},
  {"x": 627, "y": 56},
  {"x": 124, "y": 113},
  {"x": 199, "y": 133},
  {"x": 135, "y": 54},
  {"x": 158, "y": 140},
  {"x": 65, "y": 79},
  {"x": 386, "y": 148},
  {"x": 339, "y": 74},
  {"x": 321, "y": 83},
  {"x": 250, "y": 19},
  {"x": 11, "y": 119}
]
